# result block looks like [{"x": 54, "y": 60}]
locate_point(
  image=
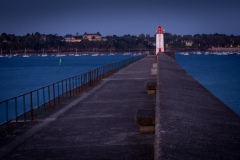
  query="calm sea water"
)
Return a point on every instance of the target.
[
  {"x": 218, "y": 72},
  {"x": 19, "y": 75}
]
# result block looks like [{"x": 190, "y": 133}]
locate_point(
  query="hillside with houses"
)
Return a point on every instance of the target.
[{"x": 87, "y": 42}]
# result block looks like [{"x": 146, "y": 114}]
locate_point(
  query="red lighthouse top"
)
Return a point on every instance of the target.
[{"x": 159, "y": 31}]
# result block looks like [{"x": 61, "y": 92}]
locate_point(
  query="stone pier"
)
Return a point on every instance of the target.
[{"x": 191, "y": 123}]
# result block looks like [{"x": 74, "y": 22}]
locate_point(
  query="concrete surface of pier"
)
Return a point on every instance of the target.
[
  {"x": 97, "y": 125},
  {"x": 190, "y": 122}
]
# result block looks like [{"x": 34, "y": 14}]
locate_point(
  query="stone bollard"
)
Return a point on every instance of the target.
[
  {"x": 154, "y": 65},
  {"x": 146, "y": 119},
  {"x": 151, "y": 87},
  {"x": 154, "y": 71}
]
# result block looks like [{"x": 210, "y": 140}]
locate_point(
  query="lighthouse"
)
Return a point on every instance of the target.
[{"x": 159, "y": 40}]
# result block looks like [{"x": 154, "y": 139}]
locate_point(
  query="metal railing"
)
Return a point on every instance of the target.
[{"x": 25, "y": 107}]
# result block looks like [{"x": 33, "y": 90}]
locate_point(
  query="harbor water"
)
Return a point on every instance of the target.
[
  {"x": 218, "y": 72},
  {"x": 22, "y": 74}
]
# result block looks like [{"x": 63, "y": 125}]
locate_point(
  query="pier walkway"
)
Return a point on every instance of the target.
[
  {"x": 99, "y": 124},
  {"x": 191, "y": 123}
]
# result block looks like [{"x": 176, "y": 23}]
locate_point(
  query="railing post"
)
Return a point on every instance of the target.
[
  {"x": 44, "y": 101},
  {"x": 54, "y": 102},
  {"x": 24, "y": 109},
  {"x": 90, "y": 77},
  {"x": 7, "y": 119},
  {"x": 62, "y": 91},
  {"x": 85, "y": 80},
  {"x": 58, "y": 93},
  {"x": 31, "y": 106},
  {"x": 97, "y": 74},
  {"x": 73, "y": 86},
  {"x": 16, "y": 112},
  {"x": 94, "y": 76},
  {"x": 38, "y": 103},
  {"x": 49, "y": 98},
  {"x": 66, "y": 88},
  {"x": 70, "y": 87},
  {"x": 102, "y": 74},
  {"x": 77, "y": 86},
  {"x": 81, "y": 89},
  {"x": 79, "y": 83}
]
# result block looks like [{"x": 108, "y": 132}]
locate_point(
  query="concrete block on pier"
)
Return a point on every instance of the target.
[
  {"x": 146, "y": 119},
  {"x": 154, "y": 65},
  {"x": 154, "y": 71},
  {"x": 147, "y": 129},
  {"x": 151, "y": 87}
]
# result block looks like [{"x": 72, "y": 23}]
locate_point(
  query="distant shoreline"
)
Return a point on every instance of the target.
[
  {"x": 117, "y": 52},
  {"x": 224, "y": 49},
  {"x": 206, "y": 50},
  {"x": 73, "y": 52}
]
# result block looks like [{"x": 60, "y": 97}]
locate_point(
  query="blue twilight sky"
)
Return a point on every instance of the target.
[{"x": 119, "y": 17}]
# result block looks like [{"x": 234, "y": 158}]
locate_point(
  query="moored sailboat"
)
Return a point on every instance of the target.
[
  {"x": 76, "y": 54},
  {"x": 25, "y": 53},
  {"x": 1, "y": 55},
  {"x": 44, "y": 54}
]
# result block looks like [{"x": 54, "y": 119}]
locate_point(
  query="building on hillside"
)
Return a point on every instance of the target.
[
  {"x": 44, "y": 37},
  {"x": 188, "y": 43},
  {"x": 71, "y": 38},
  {"x": 93, "y": 36}
]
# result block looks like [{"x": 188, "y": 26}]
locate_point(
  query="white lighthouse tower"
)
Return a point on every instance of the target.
[{"x": 159, "y": 40}]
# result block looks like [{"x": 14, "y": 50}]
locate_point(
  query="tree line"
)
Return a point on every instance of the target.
[
  {"x": 37, "y": 42},
  {"x": 202, "y": 41}
]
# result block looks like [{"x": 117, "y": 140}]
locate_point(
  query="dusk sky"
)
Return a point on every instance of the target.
[{"x": 119, "y": 17}]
